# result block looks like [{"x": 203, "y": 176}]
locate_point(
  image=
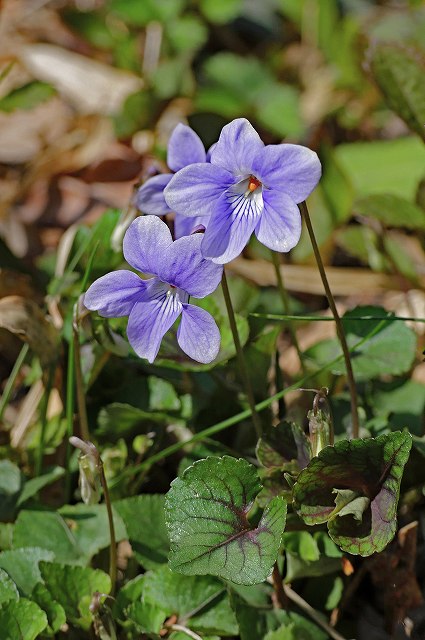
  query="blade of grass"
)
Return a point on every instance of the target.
[{"x": 12, "y": 379}]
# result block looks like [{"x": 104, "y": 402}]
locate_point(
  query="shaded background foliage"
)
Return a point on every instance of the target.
[{"x": 90, "y": 91}]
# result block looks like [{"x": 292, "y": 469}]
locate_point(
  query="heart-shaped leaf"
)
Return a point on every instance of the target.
[
  {"x": 354, "y": 486},
  {"x": 21, "y": 619},
  {"x": 206, "y": 512}
]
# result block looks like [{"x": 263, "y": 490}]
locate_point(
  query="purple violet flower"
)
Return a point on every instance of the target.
[
  {"x": 184, "y": 147},
  {"x": 153, "y": 305},
  {"x": 246, "y": 187}
]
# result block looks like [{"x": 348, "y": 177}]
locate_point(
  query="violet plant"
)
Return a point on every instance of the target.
[{"x": 246, "y": 187}]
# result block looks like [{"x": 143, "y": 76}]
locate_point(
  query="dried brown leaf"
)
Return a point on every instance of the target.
[
  {"x": 24, "y": 318},
  {"x": 90, "y": 86}
]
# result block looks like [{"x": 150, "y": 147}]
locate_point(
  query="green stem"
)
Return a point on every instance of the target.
[
  {"x": 241, "y": 358},
  {"x": 113, "y": 546},
  {"x": 12, "y": 379},
  {"x": 285, "y": 302},
  {"x": 70, "y": 399},
  {"x": 338, "y": 323},
  {"x": 43, "y": 419},
  {"x": 79, "y": 383}
]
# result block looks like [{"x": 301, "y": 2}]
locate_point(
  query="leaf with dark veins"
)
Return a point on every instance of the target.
[
  {"x": 206, "y": 512},
  {"x": 365, "y": 475}
]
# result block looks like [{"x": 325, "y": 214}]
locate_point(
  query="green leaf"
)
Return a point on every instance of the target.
[
  {"x": 55, "y": 612},
  {"x": 27, "y": 97},
  {"x": 11, "y": 481},
  {"x": 148, "y": 617},
  {"x": 391, "y": 210},
  {"x": 206, "y": 596},
  {"x": 257, "y": 623},
  {"x": 278, "y": 110},
  {"x": 89, "y": 526},
  {"x": 302, "y": 544},
  {"x": 140, "y": 14},
  {"x": 120, "y": 420},
  {"x": 6, "y": 535},
  {"x": 22, "y": 566},
  {"x": 283, "y": 443},
  {"x": 383, "y": 166},
  {"x": 366, "y": 476},
  {"x": 33, "y": 486},
  {"x": 220, "y": 11},
  {"x": 206, "y": 512},
  {"x": 145, "y": 522},
  {"x": 362, "y": 243},
  {"x": 8, "y": 589},
  {"x": 391, "y": 351},
  {"x": 296, "y": 629},
  {"x": 402, "y": 405},
  {"x": 21, "y": 619},
  {"x": 188, "y": 33},
  {"x": 399, "y": 74},
  {"x": 73, "y": 587},
  {"x": 74, "y": 535},
  {"x": 348, "y": 502}
]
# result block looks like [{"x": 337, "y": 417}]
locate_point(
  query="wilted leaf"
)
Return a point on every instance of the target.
[
  {"x": 206, "y": 512},
  {"x": 365, "y": 475},
  {"x": 399, "y": 74},
  {"x": 21, "y": 619},
  {"x": 92, "y": 87},
  {"x": 283, "y": 443},
  {"x": 24, "y": 318}
]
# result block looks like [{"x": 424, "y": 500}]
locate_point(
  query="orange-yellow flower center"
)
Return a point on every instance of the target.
[{"x": 253, "y": 183}]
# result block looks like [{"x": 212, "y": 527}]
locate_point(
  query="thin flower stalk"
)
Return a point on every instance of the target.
[
  {"x": 240, "y": 356},
  {"x": 89, "y": 450},
  {"x": 338, "y": 323},
  {"x": 285, "y": 302}
]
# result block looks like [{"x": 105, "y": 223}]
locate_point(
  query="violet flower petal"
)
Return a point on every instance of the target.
[
  {"x": 150, "y": 197},
  {"x": 230, "y": 229},
  {"x": 193, "y": 190},
  {"x": 289, "y": 168},
  {"x": 183, "y": 266},
  {"x": 280, "y": 225},
  {"x": 145, "y": 241},
  {"x": 198, "y": 334},
  {"x": 238, "y": 145},
  {"x": 184, "y": 226},
  {"x": 151, "y": 318},
  {"x": 184, "y": 147},
  {"x": 115, "y": 294}
]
